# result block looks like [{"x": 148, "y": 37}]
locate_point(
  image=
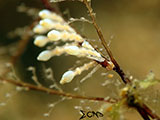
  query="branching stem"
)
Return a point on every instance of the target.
[
  {"x": 55, "y": 92},
  {"x": 99, "y": 32}
]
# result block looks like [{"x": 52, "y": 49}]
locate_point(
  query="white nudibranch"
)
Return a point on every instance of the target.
[
  {"x": 50, "y": 24},
  {"x": 41, "y": 41},
  {"x": 54, "y": 35},
  {"x": 72, "y": 50},
  {"x": 90, "y": 52},
  {"x": 44, "y": 56},
  {"x": 87, "y": 45},
  {"x": 39, "y": 29},
  {"x": 47, "y": 23},
  {"x": 69, "y": 75},
  {"x": 50, "y": 15}
]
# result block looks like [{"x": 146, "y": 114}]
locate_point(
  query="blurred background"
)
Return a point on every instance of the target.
[{"x": 131, "y": 27}]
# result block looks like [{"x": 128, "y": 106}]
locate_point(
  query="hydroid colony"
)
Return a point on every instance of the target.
[
  {"x": 52, "y": 28},
  {"x": 57, "y": 29}
]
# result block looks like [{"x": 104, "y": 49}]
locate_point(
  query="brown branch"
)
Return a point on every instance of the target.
[
  {"x": 55, "y": 92},
  {"x": 103, "y": 42},
  {"x": 142, "y": 113},
  {"x": 99, "y": 32},
  {"x": 149, "y": 112},
  {"x": 145, "y": 111}
]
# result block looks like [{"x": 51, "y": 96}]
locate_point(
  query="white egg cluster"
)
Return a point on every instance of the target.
[{"x": 53, "y": 28}]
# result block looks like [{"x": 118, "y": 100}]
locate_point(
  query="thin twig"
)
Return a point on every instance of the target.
[
  {"x": 55, "y": 92},
  {"x": 103, "y": 42},
  {"x": 143, "y": 113},
  {"x": 149, "y": 112}
]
